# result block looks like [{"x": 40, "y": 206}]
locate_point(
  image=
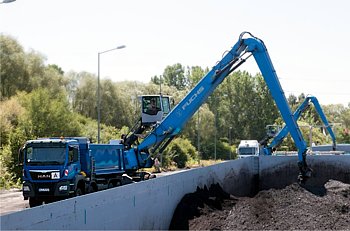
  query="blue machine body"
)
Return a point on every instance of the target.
[{"x": 107, "y": 158}]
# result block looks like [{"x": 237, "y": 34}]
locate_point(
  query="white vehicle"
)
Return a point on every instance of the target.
[{"x": 248, "y": 148}]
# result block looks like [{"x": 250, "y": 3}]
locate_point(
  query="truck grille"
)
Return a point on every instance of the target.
[{"x": 45, "y": 175}]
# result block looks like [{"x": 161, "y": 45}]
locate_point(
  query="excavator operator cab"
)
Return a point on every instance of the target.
[
  {"x": 272, "y": 130},
  {"x": 154, "y": 108}
]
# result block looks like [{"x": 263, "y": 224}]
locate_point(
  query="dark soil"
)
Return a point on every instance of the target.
[{"x": 293, "y": 207}]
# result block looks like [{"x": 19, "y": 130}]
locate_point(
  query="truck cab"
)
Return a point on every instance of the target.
[
  {"x": 52, "y": 168},
  {"x": 248, "y": 148}
]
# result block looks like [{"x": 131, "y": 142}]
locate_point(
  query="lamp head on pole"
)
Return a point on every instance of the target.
[
  {"x": 7, "y": 1},
  {"x": 121, "y": 47},
  {"x": 116, "y": 48}
]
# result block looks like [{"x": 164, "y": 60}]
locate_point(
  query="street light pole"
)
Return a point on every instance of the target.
[
  {"x": 216, "y": 132},
  {"x": 198, "y": 137},
  {"x": 98, "y": 91},
  {"x": 230, "y": 141},
  {"x": 160, "y": 84}
]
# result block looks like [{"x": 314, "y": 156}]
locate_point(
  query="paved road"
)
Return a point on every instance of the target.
[{"x": 12, "y": 201}]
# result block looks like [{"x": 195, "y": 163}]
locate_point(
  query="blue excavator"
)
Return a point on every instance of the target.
[
  {"x": 157, "y": 134},
  {"x": 278, "y": 136}
]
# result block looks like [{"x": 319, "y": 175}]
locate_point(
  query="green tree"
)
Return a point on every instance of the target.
[
  {"x": 245, "y": 106},
  {"x": 195, "y": 74},
  {"x": 157, "y": 80},
  {"x": 72, "y": 81},
  {"x": 301, "y": 97},
  {"x": 267, "y": 111},
  {"x": 85, "y": 100},
  {"x": 35, "y": 67},
  {"x": 57, "y": 68},
  {"x": 12, "y": 137},
  {"x": 11, "y": 112},
  {"x": 174, "y": 76},
  {"x": 116, "y": 109},
  {"x": 200, "y": 131},
  {"x": 345, "y": 118},
  {"x": 21, "y": 71},
  {"x": 49, "y": 114},
  {"x": 13, "y": 72},
  {"x": 292, "y": 100}
]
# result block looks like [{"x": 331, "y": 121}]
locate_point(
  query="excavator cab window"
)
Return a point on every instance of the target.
[
  {"x": 166, "y": 105},
  {"x": 154, "y": 108},
  {"x": 151, "y": 105},
  {"x": 272, "y": 130}
]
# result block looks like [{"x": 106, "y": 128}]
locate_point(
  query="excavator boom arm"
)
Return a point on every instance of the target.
[{"x": 277, "y": 140}]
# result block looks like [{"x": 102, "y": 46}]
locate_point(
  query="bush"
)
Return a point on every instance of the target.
[
  {"x": 7, "y": 178},
  {"x": 223, "y": 151},
  {"x": 179, "y": 152}
]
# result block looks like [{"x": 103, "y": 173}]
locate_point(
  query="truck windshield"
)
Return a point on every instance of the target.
[
  {"x": 45, "y": 155},
  {"x": 246, "y": 151}
]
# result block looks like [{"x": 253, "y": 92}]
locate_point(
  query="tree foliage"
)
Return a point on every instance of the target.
[
  {"x": 174, "y": 76},
  {"x": 180, "y": 151},
  {"x": 49, "y": 114},
  {"x": 13, "y": 71}
]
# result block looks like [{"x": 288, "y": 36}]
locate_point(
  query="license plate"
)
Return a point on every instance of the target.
[
  {"x": 55, "y": 175},
  {"x": 44, "y": 190}
]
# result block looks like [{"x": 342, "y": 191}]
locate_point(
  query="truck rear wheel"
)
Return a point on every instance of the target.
[
  {"x": 33, "y": 202},
  {"x": 92, "y": 188}
]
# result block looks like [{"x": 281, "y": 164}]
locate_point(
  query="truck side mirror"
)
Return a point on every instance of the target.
[{"x": 20, "y": 157}]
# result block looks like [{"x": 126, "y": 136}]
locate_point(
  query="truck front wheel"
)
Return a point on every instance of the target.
[
  {"x": 33, "y": 202},
  {"x": 79, "y": 192}
]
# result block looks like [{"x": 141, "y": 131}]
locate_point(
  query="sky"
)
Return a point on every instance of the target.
[{"x": 306, "y": 40}]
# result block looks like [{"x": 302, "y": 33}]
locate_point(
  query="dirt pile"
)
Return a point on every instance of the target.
[
  {"x": 294, "y": 207},
  {"x": 214, "y": 203}
]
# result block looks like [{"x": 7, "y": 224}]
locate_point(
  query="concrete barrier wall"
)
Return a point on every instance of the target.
[
  {"x": 143, "y": 205},
  {"x": 150, "y": 204},
  {"x": 281, "y": 171}
]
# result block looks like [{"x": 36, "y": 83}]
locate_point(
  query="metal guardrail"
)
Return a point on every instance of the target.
[{"x": 293, "y": 153}]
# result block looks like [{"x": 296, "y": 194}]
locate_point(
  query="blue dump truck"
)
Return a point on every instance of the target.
[{"x": 58, "y": 168}]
